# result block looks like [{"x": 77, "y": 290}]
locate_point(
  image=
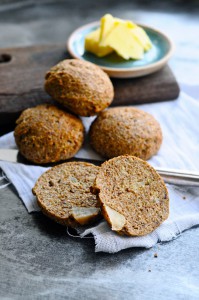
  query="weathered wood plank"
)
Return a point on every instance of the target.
[{"x": 22, "y": 72}]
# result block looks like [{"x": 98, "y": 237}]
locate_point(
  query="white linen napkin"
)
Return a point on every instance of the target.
[{"x": 179, "y": 120}]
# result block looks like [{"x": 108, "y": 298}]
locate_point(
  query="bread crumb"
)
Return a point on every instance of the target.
[{"x": 155, "y": 255}]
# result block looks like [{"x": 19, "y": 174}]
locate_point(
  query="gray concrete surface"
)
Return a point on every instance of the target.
[{"x": 38, "y": 260}]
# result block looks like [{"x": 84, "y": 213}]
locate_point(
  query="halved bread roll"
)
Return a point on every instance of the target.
[
  {"x": 134, "y": 199},
  {"x": 63, "y": 193}
]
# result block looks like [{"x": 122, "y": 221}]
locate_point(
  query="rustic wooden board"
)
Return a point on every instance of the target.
[{"x": 22, "y": 72}]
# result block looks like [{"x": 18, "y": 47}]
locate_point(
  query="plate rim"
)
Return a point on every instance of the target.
[{"x": 155, "y": 65}]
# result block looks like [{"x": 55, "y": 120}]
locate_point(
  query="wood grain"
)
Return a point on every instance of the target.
[{"x": 22, "y": 72}]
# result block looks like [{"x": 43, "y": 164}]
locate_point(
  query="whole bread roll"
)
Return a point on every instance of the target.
[
  {"x": 81, "y": 86},
  {"x": 125, "y": 130},
  {"x": 46, "y": 134}
]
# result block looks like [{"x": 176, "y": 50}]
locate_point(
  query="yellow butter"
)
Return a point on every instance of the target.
[
  {"x": 107, "y": 23},
  {"x": 142, "y": 37},
  {"x": 123, "y": 42},
  {"x": 130, "y": 24},
  {"x": 92, "y": 44},
  {"x": 127, "y": 39}
]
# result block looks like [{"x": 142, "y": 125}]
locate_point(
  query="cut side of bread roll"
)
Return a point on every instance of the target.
[
  {"x": 63, "y": 193},
  {"x": 133, "y": 197}
]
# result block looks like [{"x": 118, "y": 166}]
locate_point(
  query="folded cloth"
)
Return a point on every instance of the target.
[{"x": 178, "y": 120}]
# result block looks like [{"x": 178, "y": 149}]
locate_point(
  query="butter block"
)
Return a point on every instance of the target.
[
  {"x": 107, "y": 24},
  {"x": 142, "y": 37},
  {"x": 92, "y": 44},
  {"x": 127, "y": 39},
  {"x": 123, "y": 42}
]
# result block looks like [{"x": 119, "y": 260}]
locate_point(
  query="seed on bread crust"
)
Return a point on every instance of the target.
[
  {"x": 47, "y": 134},
  {"x": 81, "y": 86},
  {"x": 125, "y": 130},
  {"x": 63, "y": 193},
  {"x": 133, "y": 197}
]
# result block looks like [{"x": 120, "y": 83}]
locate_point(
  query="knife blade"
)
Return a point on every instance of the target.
[{"x": 172, "y": 176}]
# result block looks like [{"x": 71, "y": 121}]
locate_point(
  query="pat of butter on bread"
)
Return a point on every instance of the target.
[
  {"x": 84, "y": 214},
  {"x": 116, "y": 219}
]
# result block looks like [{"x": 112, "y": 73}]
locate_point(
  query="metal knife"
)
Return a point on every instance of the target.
[{"x": 172, "y": 176}]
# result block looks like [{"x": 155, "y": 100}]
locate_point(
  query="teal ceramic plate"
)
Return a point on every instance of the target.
[{"x": 114, "y": 65}]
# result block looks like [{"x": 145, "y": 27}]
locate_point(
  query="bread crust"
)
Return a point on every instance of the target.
[
  {"x": 82, "y": 87},
  {"x": 125, "y": 130},
  {"x": 46, "y": 134},
  {"x": 133, "y": 197},
  {"x": 65, "y": 189}
]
